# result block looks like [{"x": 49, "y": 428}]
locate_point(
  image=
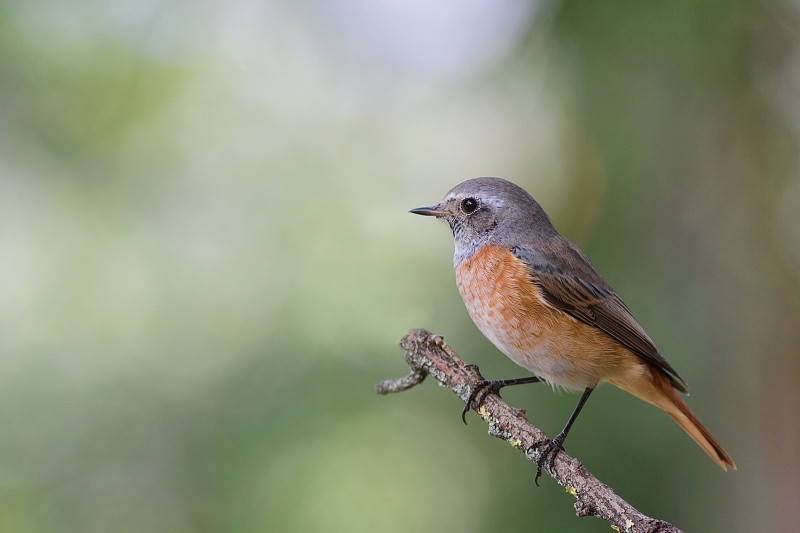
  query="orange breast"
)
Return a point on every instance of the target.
[{"x": 510, "y": 311}]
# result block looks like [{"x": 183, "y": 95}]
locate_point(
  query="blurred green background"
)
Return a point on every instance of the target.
[{"x": 206, "y": 259}]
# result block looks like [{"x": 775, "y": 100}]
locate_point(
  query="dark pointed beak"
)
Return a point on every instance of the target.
[{"x": 433, "y": 211}]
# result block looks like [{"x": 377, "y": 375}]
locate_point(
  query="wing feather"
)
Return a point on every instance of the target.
[{"x": 584, "y": 294}]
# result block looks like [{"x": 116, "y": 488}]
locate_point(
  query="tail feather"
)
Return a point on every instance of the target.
[{"x": 663, "y": 395}]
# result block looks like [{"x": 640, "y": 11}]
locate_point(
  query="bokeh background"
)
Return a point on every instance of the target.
[{"x": 206, "y": 260}]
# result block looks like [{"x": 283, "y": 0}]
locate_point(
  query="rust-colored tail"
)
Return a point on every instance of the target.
[{"x": 660, "y": 393}]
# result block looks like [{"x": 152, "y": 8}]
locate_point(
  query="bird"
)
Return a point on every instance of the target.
[{"x": 542, "y": 303}]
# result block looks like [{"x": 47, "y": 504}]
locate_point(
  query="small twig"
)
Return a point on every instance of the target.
[
  {"x": 387, "y": 386},
  {"x": 427, "y": 354}
]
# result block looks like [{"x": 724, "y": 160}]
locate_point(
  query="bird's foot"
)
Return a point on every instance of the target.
[
  {"x": 484, "y": 387},
  {"x": 479, "y": 392},
  {"x": 550, "y": 448}
]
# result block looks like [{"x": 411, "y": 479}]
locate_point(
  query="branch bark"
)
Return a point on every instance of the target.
[{"x": 428, "y": 354}]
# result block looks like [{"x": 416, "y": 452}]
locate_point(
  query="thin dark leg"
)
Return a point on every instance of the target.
[
  {"x": 553, "y": 446},
  {"x": 491, "y": 386}
]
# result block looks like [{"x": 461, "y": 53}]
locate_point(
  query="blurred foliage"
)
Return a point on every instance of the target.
[{"x": 206, "y": 260}]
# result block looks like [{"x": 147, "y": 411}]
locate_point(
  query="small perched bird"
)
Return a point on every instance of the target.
[{"x": 540, "y": 301}]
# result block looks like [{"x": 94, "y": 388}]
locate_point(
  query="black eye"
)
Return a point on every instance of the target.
[{"x": 468, "y": 205}]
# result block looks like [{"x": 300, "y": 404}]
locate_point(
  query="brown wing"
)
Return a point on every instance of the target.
[{"x": 595, "y": 303}]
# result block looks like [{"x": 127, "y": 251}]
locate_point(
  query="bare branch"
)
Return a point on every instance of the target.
[{"x": 427, "y": 353}]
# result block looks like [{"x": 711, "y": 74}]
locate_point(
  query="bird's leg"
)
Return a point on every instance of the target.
[
  {"x": 491, "y": 386},
  {"x": 553, "y": 446}
]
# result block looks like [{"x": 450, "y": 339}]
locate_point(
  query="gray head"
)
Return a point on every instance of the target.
[{"x": 485, "y": 211}]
